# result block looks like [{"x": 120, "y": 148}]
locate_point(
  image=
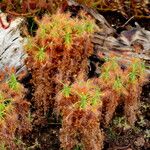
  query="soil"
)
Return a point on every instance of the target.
[
  {"x": 116, "y": 138},
  {"x": 117, "y": 21}
]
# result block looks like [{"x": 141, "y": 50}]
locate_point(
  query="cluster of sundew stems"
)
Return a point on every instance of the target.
[
  {"x": 59, "y": 28},
  {"x": 125, "y": 83},
  {"x": 86, "y": 91},
  {"x": 59, "y": 40},
  {"x": 81, "y": 101},
  {"x": 113, "y": 77},
  {"x": 5, "y": 103},
  {"x": 131, "y": 73},
  {"x": 11, "y": 103}
]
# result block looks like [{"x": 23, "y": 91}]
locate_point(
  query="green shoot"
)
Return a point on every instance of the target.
[
  {"x": 31, "y": 28},
  {"x": 41, "y": 54},
  {"x": 96, "y": 97},
  {"x": 147, "y": 134},
  {"x": 2, "y": 110},
  {"x": 43, "y": 31},
  {"x": 79, "y": 28},
  {"x": 2, "y": 146},
  {"x": 118, "y": 85},
  {"x": 141, "y": 121},
  {"x": 13, "y": 83},
  {"x": 132, "y": 77},
  {"x": 89, "y": 27},
  {"x": 121, "y": 122},
  {"x": 67, "y": 39},
  {"x": 106, "y": 59},
  {"x": 141, "y": 68},
  {"x": 3, "y": 106},
  {"x": 106, "y": 75},
  {"x": 137, "y": 70},
  {"x": 83, "y": 100},
  {"x": 114, "y": 63},
  {"x": 66, "y": 90}
]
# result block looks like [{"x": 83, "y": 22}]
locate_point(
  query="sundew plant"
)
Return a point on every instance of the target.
[
  {"x": 14, "y": 111},
  {"x": 57, "y": 55},
  {"x": 80, "y": 111}
]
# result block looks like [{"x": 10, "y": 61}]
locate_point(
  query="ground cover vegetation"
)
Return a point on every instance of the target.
[
  {"x": 128, "y": 8},
  {"x": 57, "y": 63},
  {"x": 14, "y": 113},
  {"x": 30, "y": 7}
]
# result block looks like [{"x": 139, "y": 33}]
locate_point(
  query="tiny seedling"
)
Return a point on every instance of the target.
[
  {"x": 109, "y": 66},
  {"x": 13, "y": 83},
  {"x": 43, "y": 32},
  {"x": 89, "y": 27},
  {"x": 141, "y": 121},
  {"x": 121, "y": 123},
  {"x": 41, "y": 53},
  {"x": 137, "y": 70},
  {"x": 118, "y": 85},
  {"x": 96, "y": 97},
  {"x": 79, "y": 29},
  {"x": 83, "y": 103},
  {"x": 132, "y": 77},
  {"x": 68, "y": 39},
  {"x": 66, "y": 90},
  {"x": 106, "y": 74},
  {"x": 147, "y": 134}
]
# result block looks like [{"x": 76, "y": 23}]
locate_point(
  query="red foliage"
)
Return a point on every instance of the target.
[
  {"x": 14, "y": 111},
  {"x": 80, "y": 119},
  {"x": 121, "y": 86},
  {"x": 30, "y": 7},
  {"x": 57, "y": 54}
]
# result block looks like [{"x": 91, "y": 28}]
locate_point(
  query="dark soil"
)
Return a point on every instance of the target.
[
  {"x": 117, "y": 138},
  {"x": 117, "y": 21}
]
